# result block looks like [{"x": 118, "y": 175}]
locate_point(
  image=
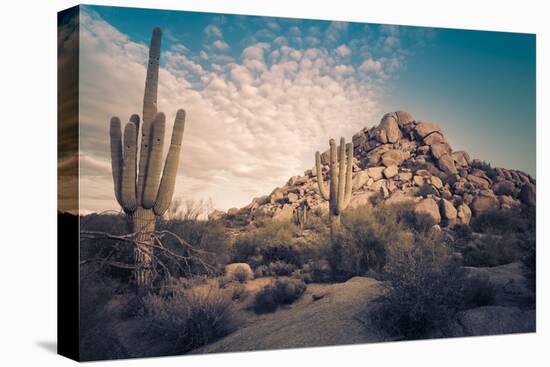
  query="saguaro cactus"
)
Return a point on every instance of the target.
[
  {"x": 338, "y": 193},
  {"x": 139, "y": 188}
]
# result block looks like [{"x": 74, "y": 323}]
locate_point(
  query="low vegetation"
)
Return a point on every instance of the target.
[{"x": 283, "y": 291}]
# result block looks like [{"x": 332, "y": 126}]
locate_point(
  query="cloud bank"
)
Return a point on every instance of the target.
[{"x": 253, "y": 119}]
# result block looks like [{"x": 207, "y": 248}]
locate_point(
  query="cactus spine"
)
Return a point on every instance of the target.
[
  {"x": 139, "y": 188},
  {"x": 338, "y": 193}
]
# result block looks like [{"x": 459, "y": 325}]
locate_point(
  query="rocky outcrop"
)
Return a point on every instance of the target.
[{"x": 403, "y": 159}]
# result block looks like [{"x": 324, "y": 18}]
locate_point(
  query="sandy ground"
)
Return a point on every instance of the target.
[{"x": 336, "y": 318}]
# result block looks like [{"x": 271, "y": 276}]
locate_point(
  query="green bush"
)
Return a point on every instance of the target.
[{"x": 283, "y": 291}]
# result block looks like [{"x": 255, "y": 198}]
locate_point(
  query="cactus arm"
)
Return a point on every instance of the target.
[
  {"x": 154, "y": 165},
  {"x": 168, "y": 181},
  {"x": 151, "y": 80},
  {"x": 149, "y": 109},
  {"x": 116, "y": 156},
  {"x": 333, "y": 176},
  {"x": 349, "y": 175},
  {"x": 129, "y": 166},
  {"x": 323, "y": 189},
  {"x": 341, "y": 176}
]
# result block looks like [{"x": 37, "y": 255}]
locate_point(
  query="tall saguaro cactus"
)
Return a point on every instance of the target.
[
  {"x": 338, "y": 193},
  {"x": 139, "y": 188}
]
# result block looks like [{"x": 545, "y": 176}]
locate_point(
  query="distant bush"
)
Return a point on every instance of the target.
[
  {"x": 283, "y": 291},
  {"x": 479, "y": 292},
  {"x": 463, "y": 231},
  {"x": 192, "y": 318},
  {"x": 503, "y": 221},
  {"x": 493, "y": 251},
  {"x": 271, "y": 243}
]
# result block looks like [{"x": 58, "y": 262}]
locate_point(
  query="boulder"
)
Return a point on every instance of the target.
[
  {"x": 448, "y": 211},
  {"x": 493, "y": 320},
  {"x": 390, "y": 171},
  {"x": 478, "y": 181},
  {"x": 440, "y": 149},
  {"x": 360, "y": 179},
  {"x": 405, "y": 176},
  {"x": 283, "y": 214},
  {"x": 216, "y": 215},
  {"x": 232, "y": 211},
  {"x": 376, "y": 173},
  {"x": 393, "y": 157},
  {"x": 292, "y": 197},
  {"x": 403, "y": 118},
  {"x": 436, "y": 181},
  {"x": 325, "y": 157},
  {"x": 359, "y": 139},
  {"x": 388, "y": 129},
  {"x": 428, "y": 207},
  {"x": 505, "y": 188},
  {"x": 419, "y": 180},
  {"x": 528, "y": 194},
  {"x": 447, "y": 164},
  {"x": 361, "y": 199},
  {"x": 434, "y": 139},
  {"x": 464, "y": 214},
  {"x": 423, "y": 129},
  {"x": 276, "y": 196},
  {"x": 482, "y": 204},
  {"x": 238, "y": 271},
  {"x": 461, "y": 158}
]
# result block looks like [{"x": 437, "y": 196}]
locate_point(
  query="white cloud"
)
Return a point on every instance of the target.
[
  {"x": 213, "y": 31},
  {"x": 251, "y": 124},
  {"x": 343, "y": 50},
  {"x": 220, "y": 45}
]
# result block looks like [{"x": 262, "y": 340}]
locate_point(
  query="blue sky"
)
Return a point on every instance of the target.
[{"x": 262, "y": 94}]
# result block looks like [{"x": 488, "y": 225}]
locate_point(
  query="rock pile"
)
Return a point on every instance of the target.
[{"x": 403, "y": 159}]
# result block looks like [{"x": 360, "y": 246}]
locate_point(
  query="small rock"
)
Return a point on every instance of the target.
[
  {"x": 446, "y": 164},
  {"x": 376, "y": 173},
  {"x": 390, "y": 171}
]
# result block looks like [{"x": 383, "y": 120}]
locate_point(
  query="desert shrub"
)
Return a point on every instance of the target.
[
  {"x": 426, "y": 189},
  {"x": 208, "y": 237},
  {"x": 529, "y": 261},
  {"x": 479, "y": 292},
  {"x": 191, "y": 318},
  {"x": 104, "y": 302},
  {"x": 241, "y": 274},
  {"x": 366, "y": 239},
  {"x": 283, "y": 291},
  {"x": 493, "y": 251},
  {"x": 267, "y": 244},
  {"x": 281, "y": 268},
  {"x": 316, "y": 271},
  {"x": 427, "y": 289},
  {"x": 463, "y": 231},
  {"x": 503, "y": 221}
]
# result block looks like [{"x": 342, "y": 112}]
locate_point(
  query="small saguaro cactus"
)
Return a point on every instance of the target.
[
  {"x": 139, "y": 188},
  {"x": 301, "y": 214},
  {"x": 338, "y": 193}
]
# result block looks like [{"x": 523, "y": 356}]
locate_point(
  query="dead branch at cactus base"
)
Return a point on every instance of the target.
[{"x": 157, "y": 249}]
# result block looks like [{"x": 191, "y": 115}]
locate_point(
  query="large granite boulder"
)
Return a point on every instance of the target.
[{"x": 428, "y": 207}]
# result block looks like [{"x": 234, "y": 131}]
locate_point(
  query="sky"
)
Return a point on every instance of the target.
[{"x": 263, "y": 94}]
